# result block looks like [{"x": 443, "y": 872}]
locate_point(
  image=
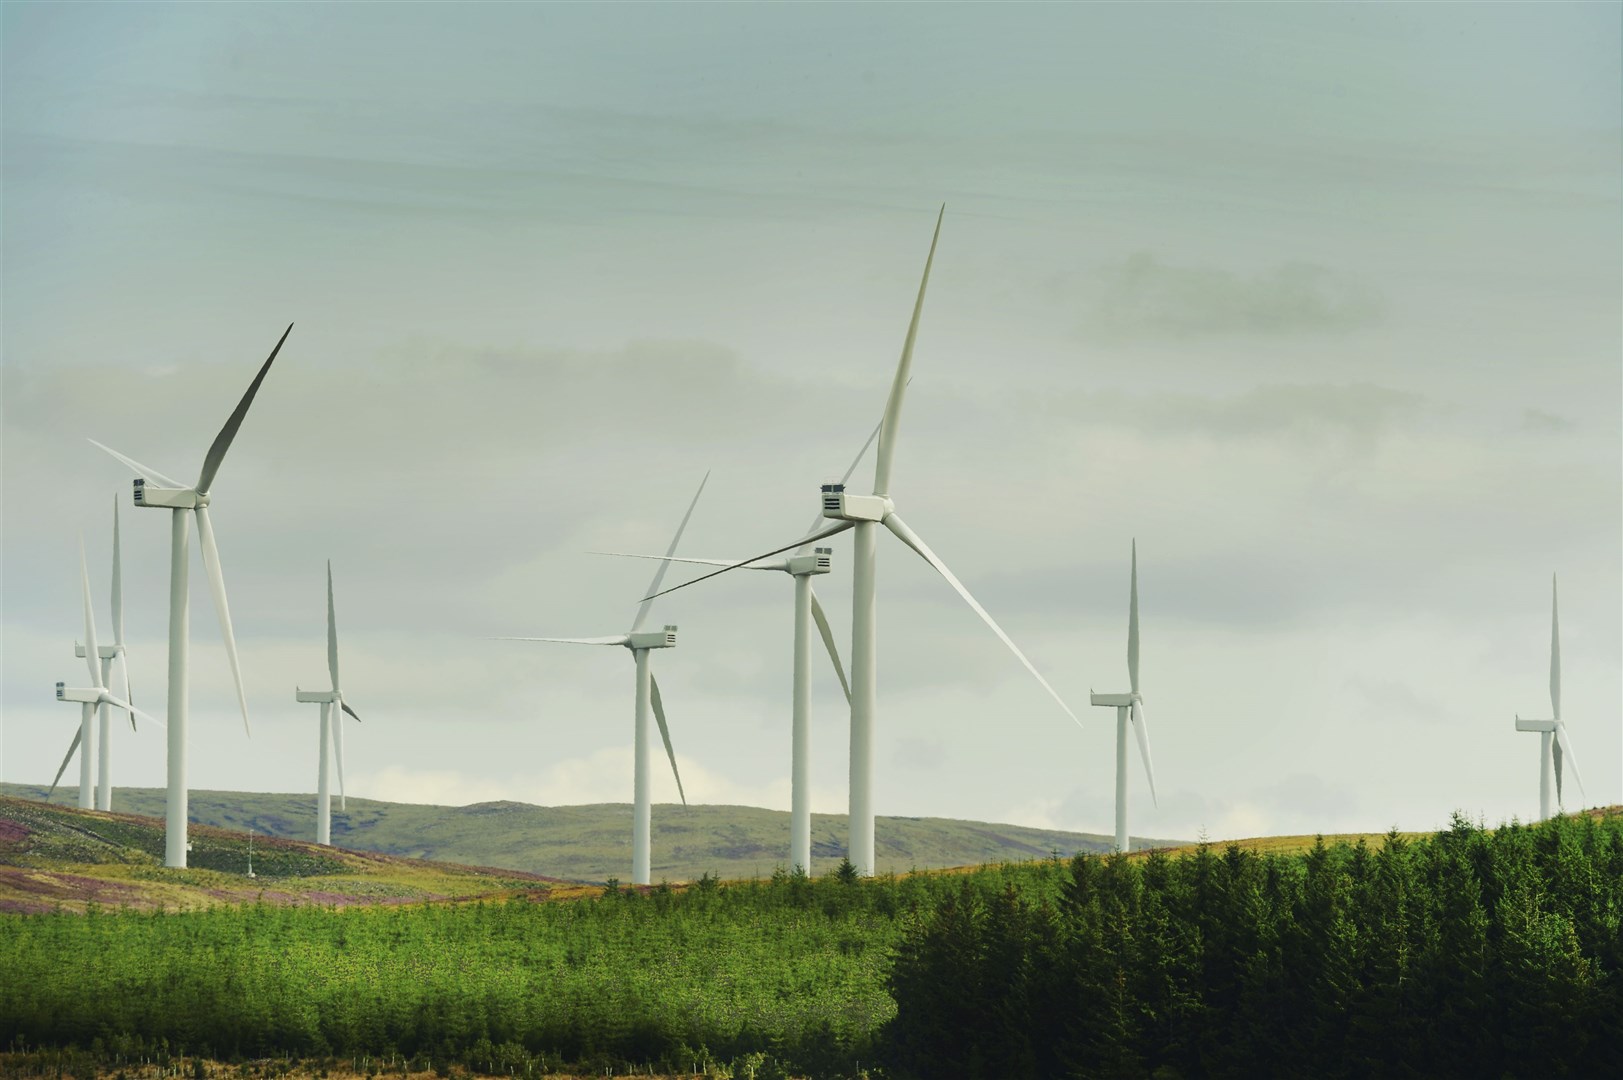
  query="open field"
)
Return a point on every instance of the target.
[{"x": 593, "y": 843}]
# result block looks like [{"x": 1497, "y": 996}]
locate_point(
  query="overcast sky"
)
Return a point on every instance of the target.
[{"x": 1319, "y": 302}]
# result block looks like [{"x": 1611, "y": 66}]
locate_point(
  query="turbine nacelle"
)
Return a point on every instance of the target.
[
  {"x": 842, "y": 505},
  {"x": 1534, "y": 725},
  {"x": 818, "y": 561},
  {"x": 1120, "y": 701},
  {"x": 106, "y": 652},
  {"x": 323, "y": 696},
  {"x": 652, "y": 639},
  {"x": 168, "y": 498},
  {"x": 91, "y": 696}
]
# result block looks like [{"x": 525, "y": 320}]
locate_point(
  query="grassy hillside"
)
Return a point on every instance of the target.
[
  {"x": 57, "y": 858},
  {"x": 593, "y": 843}
]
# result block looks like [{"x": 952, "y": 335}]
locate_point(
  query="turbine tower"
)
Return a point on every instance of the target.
[
  {"x": 332, "y": 725},
  {"x": 154, "y": 489},
  {"x": 861, "y": 514},
  {"x": 1555, "y": 745},
  {"x": 89, "y": 698},
  {"x": 639, "y": 642},
  {"x": 108, "y": 653},
  {"x": 1129, "y": 709}
]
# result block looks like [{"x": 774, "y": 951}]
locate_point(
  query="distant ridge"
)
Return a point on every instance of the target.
[{"x": 592, "y": 843}]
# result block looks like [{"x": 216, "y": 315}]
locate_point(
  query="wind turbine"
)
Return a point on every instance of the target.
[
  {"x": 89, "y": 698},
  {"x": 861, "y": 514},
  {"x": 1129, "y": 708},
  {"x": 108, "y": 653},
  {"x": 639, "y": 641},
  {"x": 1555, "y": 745},
  {"x": 806, "y": 562},
  {"x": 332, "y": 725},
  {"x": 154, "y": 489}
]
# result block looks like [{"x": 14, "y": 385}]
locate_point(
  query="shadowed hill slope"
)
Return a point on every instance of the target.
[{"x": 593, "y": 843}]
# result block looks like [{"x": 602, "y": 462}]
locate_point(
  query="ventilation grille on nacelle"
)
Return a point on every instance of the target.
[
  {"x": 831, "y": 502},
  {"x": 140, "y": 491},
  {"x": 59, "y": 687},
  {"x": 822, "y": 562}
]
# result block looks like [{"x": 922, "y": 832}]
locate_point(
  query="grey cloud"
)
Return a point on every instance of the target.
[
  {"x": 1541, "y": 421},
  {"x": 1277, "y": 409},
  {"x": 1144, "y": 297}
]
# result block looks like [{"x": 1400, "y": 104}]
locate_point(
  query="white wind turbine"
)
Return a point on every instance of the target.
[
  {"x": 181, "y": 501},
  {"x": 108, "y": 653},
  {"x": 332, "y": 725},
  {"x": 639, "y": 641},
  {"x": 1555, "y": 745},
  {"x": 806, "y": 562},
  {"x": 89, "y": 698},
  {"x": 860, "y": 514},
  {"x": 1129, "y": 709}
]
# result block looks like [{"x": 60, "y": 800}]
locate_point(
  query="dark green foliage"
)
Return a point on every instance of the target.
[
  {"x": 1471, "y": 953},
  {"x": 1475, "y": 953}
]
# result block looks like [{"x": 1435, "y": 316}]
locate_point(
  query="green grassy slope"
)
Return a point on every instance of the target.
[
  {"x": 592, "y": 843},
  {"x": 55, "y": 857}
]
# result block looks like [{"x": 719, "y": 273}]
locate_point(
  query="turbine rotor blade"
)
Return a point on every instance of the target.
[
  {"x": 659, "y": 575},
  {"x": 222, "y": 441},
  {"x": 1564, "y": 741},
  {"x": 119, "y": 703},
  {"x": 338, "y": 754},
  {"x": 907, "y": 536},
  {"x": 617, "y": 639},
  {"x": 828, "y": 641},
  {"x": 1555, "y": 652},
  {"x": 837, "y": 527},
  {"x": 1142, "y": 731},
  {"x": 1555, "y": 753},
  {"x": 72, "y": 746},
  {"x": 92, "y": 651},
  {"x": 332, "y": 632},
  {"x": 665, "y": 732},
  {"x": 139, "y": 469},
  {"x": 676, "y": 559},
  {"x": 898, "y": 386},
  {"x": 342, "y": 704},
  {"x": 1132, "y": 625},
  {"x": 211, "y": 564},
  {"x": 129, "y": 695}
]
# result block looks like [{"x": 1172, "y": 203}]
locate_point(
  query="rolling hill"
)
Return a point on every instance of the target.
[{"x": 592, "y": 843}]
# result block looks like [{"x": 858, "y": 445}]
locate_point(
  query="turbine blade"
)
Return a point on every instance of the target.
[
  {"x": 907, "y": 536},
  {"x": 618, "y": 639},
  {"x": 828, "y": 641},
  {"x": 222, "y": 441},
  {"x": 665, "y": 732},
  {"x": 1555, "y": 651},
  {"x": 1564, "y": 741},
  {"x": 152, "y": 475},
  {"x": 898, "y": 386},
  {"x": 837, "y": 527},
  {"x": 670, "y": 558},
  {"x": 1142, "y": 731},
  {"x": 332, "y": 632},
  {"x": 92, "y": 651},
  {"x": 1132, "y": 625},
  {"x": 659, "y": 575},
  {"x": 211, "y": 564},
  {"x": 1555, "y": 752},
  {"x": 129, "y": 695},
  {"x": 120, "y": 703},
  {"x": 118, "y": 583},
  {"x": 338, "y": 755},
  {"x": 72, "y": 746},
  {"x": 345, "y": 706}
]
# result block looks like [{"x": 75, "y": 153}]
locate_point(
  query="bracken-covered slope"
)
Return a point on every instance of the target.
[
  {"x": 56, "y": 858},
  {"x": 593, "y": 843}
]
